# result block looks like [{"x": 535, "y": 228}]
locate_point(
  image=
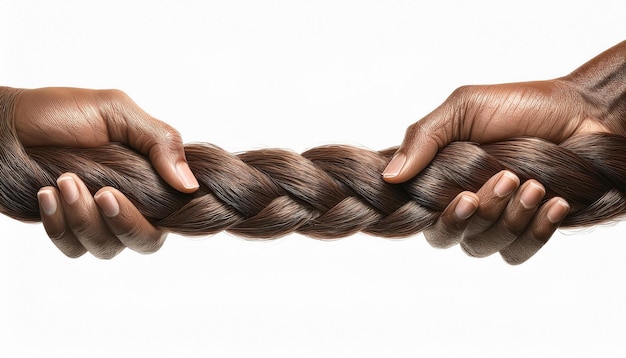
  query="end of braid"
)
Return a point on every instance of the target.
[{"x": 20, "y": 176}]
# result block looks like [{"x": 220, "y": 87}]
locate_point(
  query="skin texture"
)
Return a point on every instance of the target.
[
  {"x": 106, "y": 223},
  {"x": 504, "y": 215}
]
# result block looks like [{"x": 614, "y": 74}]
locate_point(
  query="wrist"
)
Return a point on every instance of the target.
[{"x": 601, "y": 85}]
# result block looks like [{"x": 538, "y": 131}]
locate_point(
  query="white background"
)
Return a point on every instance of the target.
[{"x": 298, "y": 74}]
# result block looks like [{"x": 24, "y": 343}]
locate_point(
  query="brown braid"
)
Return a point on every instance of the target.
[{"x": 326, "y": 192}]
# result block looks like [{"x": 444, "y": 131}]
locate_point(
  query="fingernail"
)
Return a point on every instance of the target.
[
  {"x": 465, "y": 207},
  {"x": 557, "y": 212},
  {"x": 107, "y": 202},
  {"x": 532, "y": 195},
  {"x": 47, "y": 201},
  {"x": 68, "y": 189},
  {"x": 186, "y": 176},
  {"x": 394, "y": 166},
  {"x": 506, "y": 184}
]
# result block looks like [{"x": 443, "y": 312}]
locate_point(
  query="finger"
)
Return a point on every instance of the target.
[
  {"x": 449, "y": 228},
  {"x": 513, "y": 222},
  {"x": 421, "y": 143},
  {"x": 494, "y": 196},
  {"x": 165, "y": 149},
  {"x": 152, "y": 137},
  {"x": 541, "y": 228},
  {"x": 84, "y": 220},
  {"x": 54, "y": 223},
  {"x": 426, "y": 137},
  {"x": 127, "y": 223}
]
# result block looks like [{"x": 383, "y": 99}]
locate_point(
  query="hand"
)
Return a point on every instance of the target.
[
  {"x": 107, "y": 222},
  {"x": 503, "y": 216}
]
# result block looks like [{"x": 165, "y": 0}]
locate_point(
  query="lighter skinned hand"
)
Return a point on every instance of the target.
[
  {"x": 106, "y": 223},
  {"x": 504, "y": 215}
]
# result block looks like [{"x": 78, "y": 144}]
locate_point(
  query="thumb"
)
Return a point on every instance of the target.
[
  {"x": 422, "y": 141},
  {"x": 167, "y": 154},
  {"x": 150, "y": 136}
]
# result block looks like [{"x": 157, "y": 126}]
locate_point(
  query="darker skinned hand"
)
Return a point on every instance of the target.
[
  {"x": 505, "y": 215},
  {"x": 107, "y": 222}
]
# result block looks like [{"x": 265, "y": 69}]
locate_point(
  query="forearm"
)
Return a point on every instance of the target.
[{"x": 602, "y": 84}]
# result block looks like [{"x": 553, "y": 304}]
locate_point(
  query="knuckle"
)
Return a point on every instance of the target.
[
  {"x": 513, "y": 260},
  {"x": 56, "y": 231},
  {"x": 116, "y": 106},
  {"x": 163, "y": 140},
  {"x": 73, "y": 251},
  {"x": 131, "y": 232},
  {"x": 477, "y": 246},
  {"x": 540, "y": 234},
  {"x": 439, "y": 240},
  {"x": 107, "y": 251},
  {"x": 136, "y": 238},
  {"x": 446, "y": 233},
  {"x": 171, "y": 134},
  {"x": 99, "y": 244},
  {"x": 82, "y": 228},
  {"x": 412, "y": 128},
  {"x": 460, "y": 102},
  {"x": 462, "y": 94},
  {"x": 536, "y": 241},
  {"x": 481, "y": 222},
  {"x": 491, "y": 241},
  {"x": 114, "y": 95},
  {"x": 66, "y": 243},
  {"x": 173, "y": 138},
  {"x": 152, "y": 246},
  {"x": 469, "y": 249},
  {"x": 520, "y": 251},
  {"x": 413, "y": 133},
  {"x": 510, "y": 230},
  {"x": 56, "y": 235}
]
